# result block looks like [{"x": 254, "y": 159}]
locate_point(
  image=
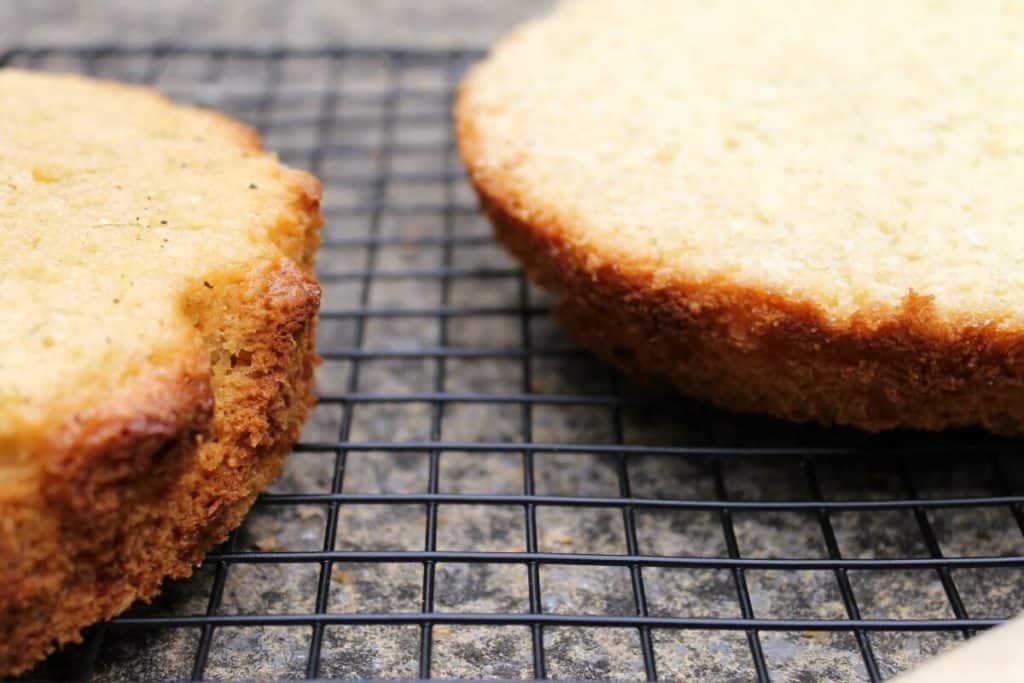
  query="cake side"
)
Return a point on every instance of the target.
[{"x": 130, "y": 501}]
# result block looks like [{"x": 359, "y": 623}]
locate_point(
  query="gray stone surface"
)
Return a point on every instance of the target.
[{"x": 502, "y": 651}]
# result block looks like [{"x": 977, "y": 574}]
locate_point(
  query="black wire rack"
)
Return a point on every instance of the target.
[{"x": 475, "y": 497}]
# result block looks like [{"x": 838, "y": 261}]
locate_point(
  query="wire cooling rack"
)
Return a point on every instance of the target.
[{"x": 475, "y": 497}]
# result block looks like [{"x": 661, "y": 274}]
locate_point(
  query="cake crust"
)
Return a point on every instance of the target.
[
  {"x": 121, "y": 493},
  {"x": 749, "y": 351}
]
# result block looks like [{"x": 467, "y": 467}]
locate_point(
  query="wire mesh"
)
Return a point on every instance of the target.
[{"x": 475, "y": 497}]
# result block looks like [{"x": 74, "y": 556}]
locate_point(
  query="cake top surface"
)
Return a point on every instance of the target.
[
  {"x": 841, "y": 153},
  {"x": 116, "y": 206}
]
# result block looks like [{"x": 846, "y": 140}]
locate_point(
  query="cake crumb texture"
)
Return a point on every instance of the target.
[{"x": 156, "y": 354}]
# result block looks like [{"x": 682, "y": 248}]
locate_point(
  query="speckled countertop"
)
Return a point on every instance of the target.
[{"x": 504, "y": 651}]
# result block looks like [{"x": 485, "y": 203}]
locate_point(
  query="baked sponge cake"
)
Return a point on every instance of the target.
[
  {"x": 157, "y": 312},
  {"x": 813, "y": 210}
]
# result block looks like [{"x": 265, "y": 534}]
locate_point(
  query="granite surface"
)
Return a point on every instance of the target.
[{"x": 427, "y": 205}]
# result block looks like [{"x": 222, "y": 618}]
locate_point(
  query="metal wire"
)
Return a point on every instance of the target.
[{"x": 267, "y": 104}]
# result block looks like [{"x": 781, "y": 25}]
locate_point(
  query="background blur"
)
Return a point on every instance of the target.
[{"x": 430, "y": 23}]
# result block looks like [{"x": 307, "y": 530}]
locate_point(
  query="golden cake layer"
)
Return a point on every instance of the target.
[{"x": 157, "y": 314}]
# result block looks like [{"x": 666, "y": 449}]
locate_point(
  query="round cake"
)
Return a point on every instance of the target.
[
  {"x": 813, "y": 210},
  {"x": 158, "y": 308}
]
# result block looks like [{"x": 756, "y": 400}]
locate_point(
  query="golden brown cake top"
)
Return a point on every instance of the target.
[
  {"x": 117, "y": 210},
  {"x": 838, "y": 153}
]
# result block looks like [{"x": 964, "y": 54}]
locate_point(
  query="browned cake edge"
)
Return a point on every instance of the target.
[
  {"x": 137, "y": 489},
  {"x": 750, "y": 350}
]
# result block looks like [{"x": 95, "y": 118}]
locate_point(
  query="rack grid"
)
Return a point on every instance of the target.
[{"x": 474, "y": 496}]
